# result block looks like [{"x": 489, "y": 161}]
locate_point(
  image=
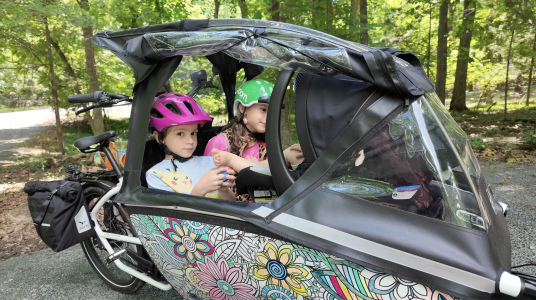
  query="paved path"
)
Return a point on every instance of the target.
[
  {"x": 19, "y": 126},
  {"x": 67, "y": 275}
]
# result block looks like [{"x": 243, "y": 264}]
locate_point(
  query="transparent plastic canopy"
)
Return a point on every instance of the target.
[
  {"x": 428, "y": 178},
  {"x": 269, "y": 47},
  {"x": 270, "y": 44}
]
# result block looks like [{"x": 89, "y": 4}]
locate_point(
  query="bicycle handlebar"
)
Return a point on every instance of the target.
[
  {"x": 82, "y": 98},
  {"x": 101, "y": 99},
  {"x": 96, "y": 96}
]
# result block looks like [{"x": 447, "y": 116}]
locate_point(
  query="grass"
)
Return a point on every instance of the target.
[
  {"x": 48, "y": 162},
  {"x": 47, "y": 140},
  {"x": 519, "y": 120},
  {"x": 515, "y": 100},
  {"x": 5, "y": 109},
  {"x": 505, "y": 134}
]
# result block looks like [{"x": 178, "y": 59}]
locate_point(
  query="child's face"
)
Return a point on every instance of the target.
[
  {"x": 182, "y": 139},
  {"x": 256, "y": 115}
]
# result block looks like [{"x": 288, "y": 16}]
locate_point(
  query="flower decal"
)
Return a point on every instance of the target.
[
  {"x": 196, "y": 227},
  {"x": 223, "y": 282},
  {"x": 203, "y": 261},
  {"x": 275, "y": 292},
  {"x": 189, "y": 245},
  {"x": 276, "y": 266},
  {"x": 398, "y": 288}
]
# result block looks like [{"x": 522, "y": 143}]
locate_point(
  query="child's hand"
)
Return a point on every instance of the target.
[
  {"x": 293, "y": 155},
  {"x": 297, "y": 147},
  {"x": 225, "y": 191},
  {"x": 212, "y": 181},
  {"x": 230, "y": 179}
]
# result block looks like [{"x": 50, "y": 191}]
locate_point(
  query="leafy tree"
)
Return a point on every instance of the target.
[
  {"x": 363, "y": 23},
  {"x": 96, "y": 123},
  {"x": 442, "y": 51},
  {"x": 54, "y": 87},
  {"x": 464, "y": 48},
  {"x": 243, "y": 8},
  {"x": 475, "y": 44},
  {"x": 531, "y": 68}
]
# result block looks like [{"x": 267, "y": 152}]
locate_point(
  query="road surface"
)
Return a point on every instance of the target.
[{"x": 19, "y": 126}]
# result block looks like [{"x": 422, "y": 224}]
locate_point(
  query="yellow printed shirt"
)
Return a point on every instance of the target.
[{"x": 163, "y": 176}]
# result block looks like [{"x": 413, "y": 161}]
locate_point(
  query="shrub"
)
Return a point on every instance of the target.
[
  {"x": 529, "y": 137},
  {"x": 479, "y": 143}
]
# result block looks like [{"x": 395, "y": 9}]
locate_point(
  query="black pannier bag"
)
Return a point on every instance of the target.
[{"x": 59, "y": 212}]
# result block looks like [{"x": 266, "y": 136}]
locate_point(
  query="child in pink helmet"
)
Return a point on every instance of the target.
[{"x": 176, "y": 119}]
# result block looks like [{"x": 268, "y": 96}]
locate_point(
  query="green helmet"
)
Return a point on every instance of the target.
[{"x": 252, "y": 92}]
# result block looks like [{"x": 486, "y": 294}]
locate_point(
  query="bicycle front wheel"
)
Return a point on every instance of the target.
[{"x": 112, "y": 218}]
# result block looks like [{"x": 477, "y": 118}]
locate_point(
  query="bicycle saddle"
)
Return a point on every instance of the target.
[{"x": 84, "y": 144}]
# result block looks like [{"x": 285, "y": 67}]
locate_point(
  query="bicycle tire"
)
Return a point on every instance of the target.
[{"x": 110, "y": 221}]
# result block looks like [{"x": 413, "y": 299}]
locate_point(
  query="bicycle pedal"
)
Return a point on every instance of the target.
[{"x": 115, "y": 256}]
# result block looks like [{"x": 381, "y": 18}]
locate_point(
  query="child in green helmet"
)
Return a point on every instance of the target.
[{"x": 244, "y": 136}]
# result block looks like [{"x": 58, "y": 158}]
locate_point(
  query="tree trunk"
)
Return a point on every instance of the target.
[
  {"x": 442, "y": 34},
  {"x": 282, "y": 16},
  {"x": 243, "y": 8},
  {"x": 70, "y": 71},
  {"x": 286, "y": 137},
  {"x": 508, "y": 70},
  {"x": 318, "y": 15},
  {"x": 216, "y": 8},
  {"x": 275, "y": 10},
  {"x": 134, "y": 19},
  {"x": 284, "y": 130},
  {"x": 458, "y": 102},
  {"x": 329, "y": 16},
  {"x": 354, "y": 20},
  {"x": 364, "y": 21},
  {"x": 285, "y": 127},
  {"x": 54, "y": 88},
  {"x": 91, "y": 71},
  {"x": 531, "y": 67},
  {"x": 429, "y": 42},
  {"x": 159, "y": 10}
]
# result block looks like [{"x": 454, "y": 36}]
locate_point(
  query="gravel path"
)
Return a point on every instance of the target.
[
  {"x": 515, "y": 185},
  {"x": 67, "y": 275},
  {"x": 19, "y": 126}
]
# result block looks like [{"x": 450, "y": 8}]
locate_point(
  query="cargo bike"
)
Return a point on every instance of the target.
[{"x": 389, "y": 204}]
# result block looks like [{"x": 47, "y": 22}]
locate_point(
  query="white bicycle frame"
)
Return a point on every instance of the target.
[{"x": 105, "y": 236}]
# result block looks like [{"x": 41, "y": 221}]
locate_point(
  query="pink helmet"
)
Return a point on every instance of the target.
[{"x": 176, "y": 109}]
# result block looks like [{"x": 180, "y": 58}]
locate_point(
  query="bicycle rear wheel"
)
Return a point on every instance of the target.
[{"x": 112, "y": 218}]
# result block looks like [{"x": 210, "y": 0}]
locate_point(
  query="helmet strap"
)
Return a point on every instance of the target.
[{"x": 256, "y": 135}]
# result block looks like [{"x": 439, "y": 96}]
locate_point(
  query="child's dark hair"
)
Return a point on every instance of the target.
[{"x": 240, "y": 136}]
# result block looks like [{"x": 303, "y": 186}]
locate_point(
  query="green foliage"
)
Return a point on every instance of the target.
[
  {"x": 508, "y": 148},
  {"x": 36, "y": 163},
  {"x": 403, "y": 24},
  {"x": 479, "y": 143},
  {"x": 529, "y": 137}
]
